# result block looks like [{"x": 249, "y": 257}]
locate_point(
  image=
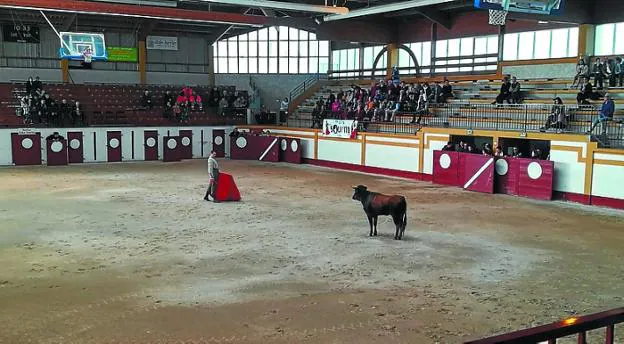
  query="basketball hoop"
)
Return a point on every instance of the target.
[{"x": 497, "y": 17}]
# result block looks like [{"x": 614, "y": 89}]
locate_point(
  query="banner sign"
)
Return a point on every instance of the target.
[
  {"x": 120, "y": 54},
  {"x": 20, "y": 33},
  {"x": 346, "y": 129},
  {"x": 161, "y": 43}
]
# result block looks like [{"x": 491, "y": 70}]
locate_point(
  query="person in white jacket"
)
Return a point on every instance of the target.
[{"x": 213, "y": 173}]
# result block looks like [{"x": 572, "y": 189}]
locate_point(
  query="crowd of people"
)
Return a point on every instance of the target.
[
  {"x": 611, "y": 69},
  {"x": 381, "y": 102},
  {"x": 486, "y": 149},
  {"x": 38, "y": 107}
]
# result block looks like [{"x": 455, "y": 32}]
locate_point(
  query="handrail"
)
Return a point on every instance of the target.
[
  {"x": 571, "y": 326},
  {"x": 305, "y": 85}
]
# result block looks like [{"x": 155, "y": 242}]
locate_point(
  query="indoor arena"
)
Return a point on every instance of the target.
[{"x": 240, "y": 171}]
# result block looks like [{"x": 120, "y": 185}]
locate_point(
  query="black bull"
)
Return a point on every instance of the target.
[{"x": 376, "y": 204}]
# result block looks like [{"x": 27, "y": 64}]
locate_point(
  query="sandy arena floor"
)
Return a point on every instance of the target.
[{"x": 130, "y": 253}]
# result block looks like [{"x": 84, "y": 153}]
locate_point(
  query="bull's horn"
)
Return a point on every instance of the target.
[{"x": 354, "y": 187}]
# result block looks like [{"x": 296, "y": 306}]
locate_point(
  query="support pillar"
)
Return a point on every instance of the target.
[
  {"x": 392, "y": 60},
  {"x": 211, "y": 69},
  {"x": 586, "y": 40},
  {"x": 65, "y": 71},
  {"x": 142, "y": 62}
]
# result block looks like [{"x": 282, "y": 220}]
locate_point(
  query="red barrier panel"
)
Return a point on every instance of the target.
[
  {"x": 446, "y": 168},
  {"x": 26, "y": 149},
  {"x": 218, "y": 142},
  {"x": 290, "y": 150},
  {"x": 186, "y": 144},
  {"x": 507, "y": 174},
  {"x": 75, "y": 152},
  {"x": 56, "y": 152},
  {"x": 227, "y": 189},
  {"x": 536, "y": 178},
  {"x": 172, "y": 149},
  {"x": 150, "y": 142},
  {"x": 476, "y": 172},
  {"x": 250, "y": 147},
  {"x": 113, "y": 146}
]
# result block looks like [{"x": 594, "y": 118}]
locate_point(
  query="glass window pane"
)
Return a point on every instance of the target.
[
  {"x": 243, "y": 65},
  {"x": 344, "y": 60},
  {"x": 253, "y": 36},
  {"x": 314, "y": 48},
  {"x": 273, "y": 48},
  {"x": 303, "y": 65},
  {"x": 283, "y": 65},
  {"x": 312, "y": 36},
  {"x": 242, "y": 37},
  {"x": 492, "y": 45},
  {"x": 253, "y": 49},
  {"x": 283, "y": 33},
  {"x": 263, "y": 34},
  {"x": 604, "y": 39},
  {"x": 253, "y": 65},
  {"x": 426, "y": 54},
  {"x": 542, "y": 44},
  {"x": 233, "y": 65},
  {"x": 262, "y": 65},
  {"x": 368, "y": 58},
  {"x": 273, "y": 33},
  {"x": 323, "y": 48},
  {"x": 263, "y": 48},
  {"x": 283, "y": 48},
  {"x": 272, "y": 65},
  {"x": 293, "y": 34},
  {"x": 453, "y": 47},
  {"x": 619, "y": 37},
  {"x": 525, "y": 51},
  {"x": 314, "y": 65},
  {"x": 336, "y": 60},
  {"x": 441, "y": 48},
  {"x": 510, "y": 47},
  {"x": 323, "y": 65},
  {"x": 573, "y": 37},
  {"x": 242, "y": 48},
  {"x": 293, "y": 48},
  {"x": 293, "y": 65},
  {"x": 559, "y": 43},
  {"x": 417, "y": 50},
  {"x": 232, "y": 48},
  {"x": 404, "y": 59},
  {"x": 303, "y": 48},
  {"x": 466, "y": 47},
  {"x": 222, "y": 65},
  {"x": 480, "y": 46},
  {"x": 222, "y": 48},
  {"x": 303, "y": 35}
]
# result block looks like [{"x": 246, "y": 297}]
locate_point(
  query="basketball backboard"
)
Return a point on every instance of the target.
[
  {"x": 73, "y": 44},
  {"x": 547, "y": 7}
]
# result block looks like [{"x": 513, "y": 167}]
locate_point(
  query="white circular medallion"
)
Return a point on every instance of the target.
[
  {"x": 502, "y": 167},
  {"x": 445, "y": 161},
  {"x": 172, "y": 143},
  {"x": 241, "y": 142},
  {"x": 113, "y": 143},
  {"x": 284, "y": 144},
  {"x": 56, "y": 146},
  {"x": 534, "y": 170},
  {"x": 74, "y": 144},
  {"x": 219, "y": 140},
  {"x": 150, "y": 142},
  {"x": 186, "y": 141},
  {"x": 294, "y": 146},
  {"x": 27, "y": 143}
]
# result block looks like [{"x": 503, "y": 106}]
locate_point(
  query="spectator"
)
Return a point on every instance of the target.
[
  {"x": 436, "y": 93},
  {"x": 168, "y": 103},
  {"x": 87, "y": 56},
  {"x": 36, "y": 85},
  {"x": 30, "y": 89},
  {"x": 55, "y": 137},
  {"x": 42, "y": 112},
  {"x": 391, "y": 110},
  {"x": 557, "y": 117},
  {"x": 515, "y": 94},
  {"x": 188, "y": 92},
  {"x": 214, "y": 98},
  {"x": 585, "y": 93},
  {"x": 317, "y": 113},
  {"x": 535, "y": 154},
  {"x": 196, "y": 101},
  {"x": 606, "y": 114},
  {"x": 582, "y": 72},
  {"x": 619, "y": 70},
  {"x": 146, "y": 100},
  {"x": 516, "y": 153},
  {"x": 449, "y": 147},
  {"x": 447, "y": 91},
  {"x": 65, "y": 112},
  {"x": 461, "y": 147},
  {"x": 240, "y": 103},
  {"x": 598, "y": 71},
  {"x": 499, "y": 152},
  {"x": 283, "y": 110},
  {"x": 421, "y": 107},
  {"x": 504, "y": 92},
  {"x": 235, "y": 133},
  {"x": 78, "y": 114},
  {"x": 487, "y": 149},
  {"x": 611, "y": 72},
  {"x": 223, "y": 106},
  {"x": 24, "y": 109}
]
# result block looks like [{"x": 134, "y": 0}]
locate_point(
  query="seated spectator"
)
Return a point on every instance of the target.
[
  {"x": 461, "y": 147},
  {"x": 235, "y": 133},
  {"x": 55, "y": 137},
  {"x": 30, "y": 85},
  {"x": 515, "y": 94},
  {"x": 37, "y": 86},
  {"x": 598, "y": 71},
  {"x": 65, "y": 112},
  {"x": 391, "y": 110},
  {"x": 168, "y": 103},
  {"x": 504, "y": 92},
  {"x": 436, "y": 93},
  {"x": 449, "y": 147},
  {"x": 78, "y": 114},
  {"x": 471, "y": 149},
  {"x": 213, "y": 101},
  {"x": 557, "y": 117},
  {"x": 611, "y": 72},
  {"x": 146, "y": 100},
  {"x": 196, "y": 101},
  {"x": 240, "y": 103},
  {"x": 605, "y": 115},
  {"x": 283, "y": 110},
  {"x": 188, "y": 91},
  {"x": 317, "y": 114},
  {"x": 515, "y": 153},
  {"x": 487, "y": 149},
  {"x": 223, "y": 107},
  {"x": 582, "y": 72},
  {"x": 421, "y": 107},
  {"x": 447, "y": 91},
  {"x": 536, "y": 154},
  {"x": 42, "y": 112},
  {"x": 619, "y": 70},
  {"x": 24, "y": 108},
  {"x": 585, "y": 93},
  {"x": 499, "y": 152}
]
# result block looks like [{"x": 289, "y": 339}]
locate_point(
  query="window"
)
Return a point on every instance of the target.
[
  {"x": 608, "y": 39},
  {"x": 543, "y": 44},
  {"x": 451, "y": 52},
  {"x": 272, "y": 50}
]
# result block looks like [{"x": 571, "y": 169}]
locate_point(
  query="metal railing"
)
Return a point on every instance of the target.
[
  {"x": 522, "y": 118},
  {"x": 575, "y": 326},
  {"x": 304, "y": 86}
]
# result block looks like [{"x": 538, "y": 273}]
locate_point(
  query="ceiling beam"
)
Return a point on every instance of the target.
[
  {"x": 441, "y": 18},
  {"x": 68, "y": 22},
  {"x": 290, "y": 6},
  {"x": 223, "y": 32},
  {"x": 398, "y": 6}
]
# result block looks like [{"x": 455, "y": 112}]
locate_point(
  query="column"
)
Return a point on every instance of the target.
[
  {"x": 392, "y": 59},
  {"x": 211, "y": 70},
  {"x": 142, "y": 62},
  {"x": 586, "y": 40},
  {"x": 65, "y": 70}
]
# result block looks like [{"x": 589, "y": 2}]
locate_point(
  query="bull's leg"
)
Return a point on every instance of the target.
[
  {"x": 397, "y": 223},
  {"x": 375, "y": 222},
  {"x": 370, "y": 222}
]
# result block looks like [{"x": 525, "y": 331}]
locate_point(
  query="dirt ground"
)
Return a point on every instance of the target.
[{"x": 130, "y": 253}]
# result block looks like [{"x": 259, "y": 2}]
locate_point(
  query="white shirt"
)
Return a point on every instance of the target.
[{"x": 212, "y": 164}]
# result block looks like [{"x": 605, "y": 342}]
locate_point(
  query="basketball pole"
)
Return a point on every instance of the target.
[{"x": 55, "y": 31}]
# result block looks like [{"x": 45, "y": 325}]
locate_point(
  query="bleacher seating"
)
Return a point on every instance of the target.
[{"x": 113, "y": 104}]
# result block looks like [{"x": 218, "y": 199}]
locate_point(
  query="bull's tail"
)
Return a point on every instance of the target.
[{"x": 404, "y": 222}]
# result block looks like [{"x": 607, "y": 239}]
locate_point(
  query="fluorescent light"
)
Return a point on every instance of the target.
[
  {"x": 385, "y": 8},
  {"x": 292, "y": 6},
  {"x": 542, "y": 22}
]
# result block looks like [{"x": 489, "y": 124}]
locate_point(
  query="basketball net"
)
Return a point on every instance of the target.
[{"x": 497, "y": 17}]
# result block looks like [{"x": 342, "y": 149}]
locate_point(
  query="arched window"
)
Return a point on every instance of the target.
[{"x": 277, "y": 49}]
